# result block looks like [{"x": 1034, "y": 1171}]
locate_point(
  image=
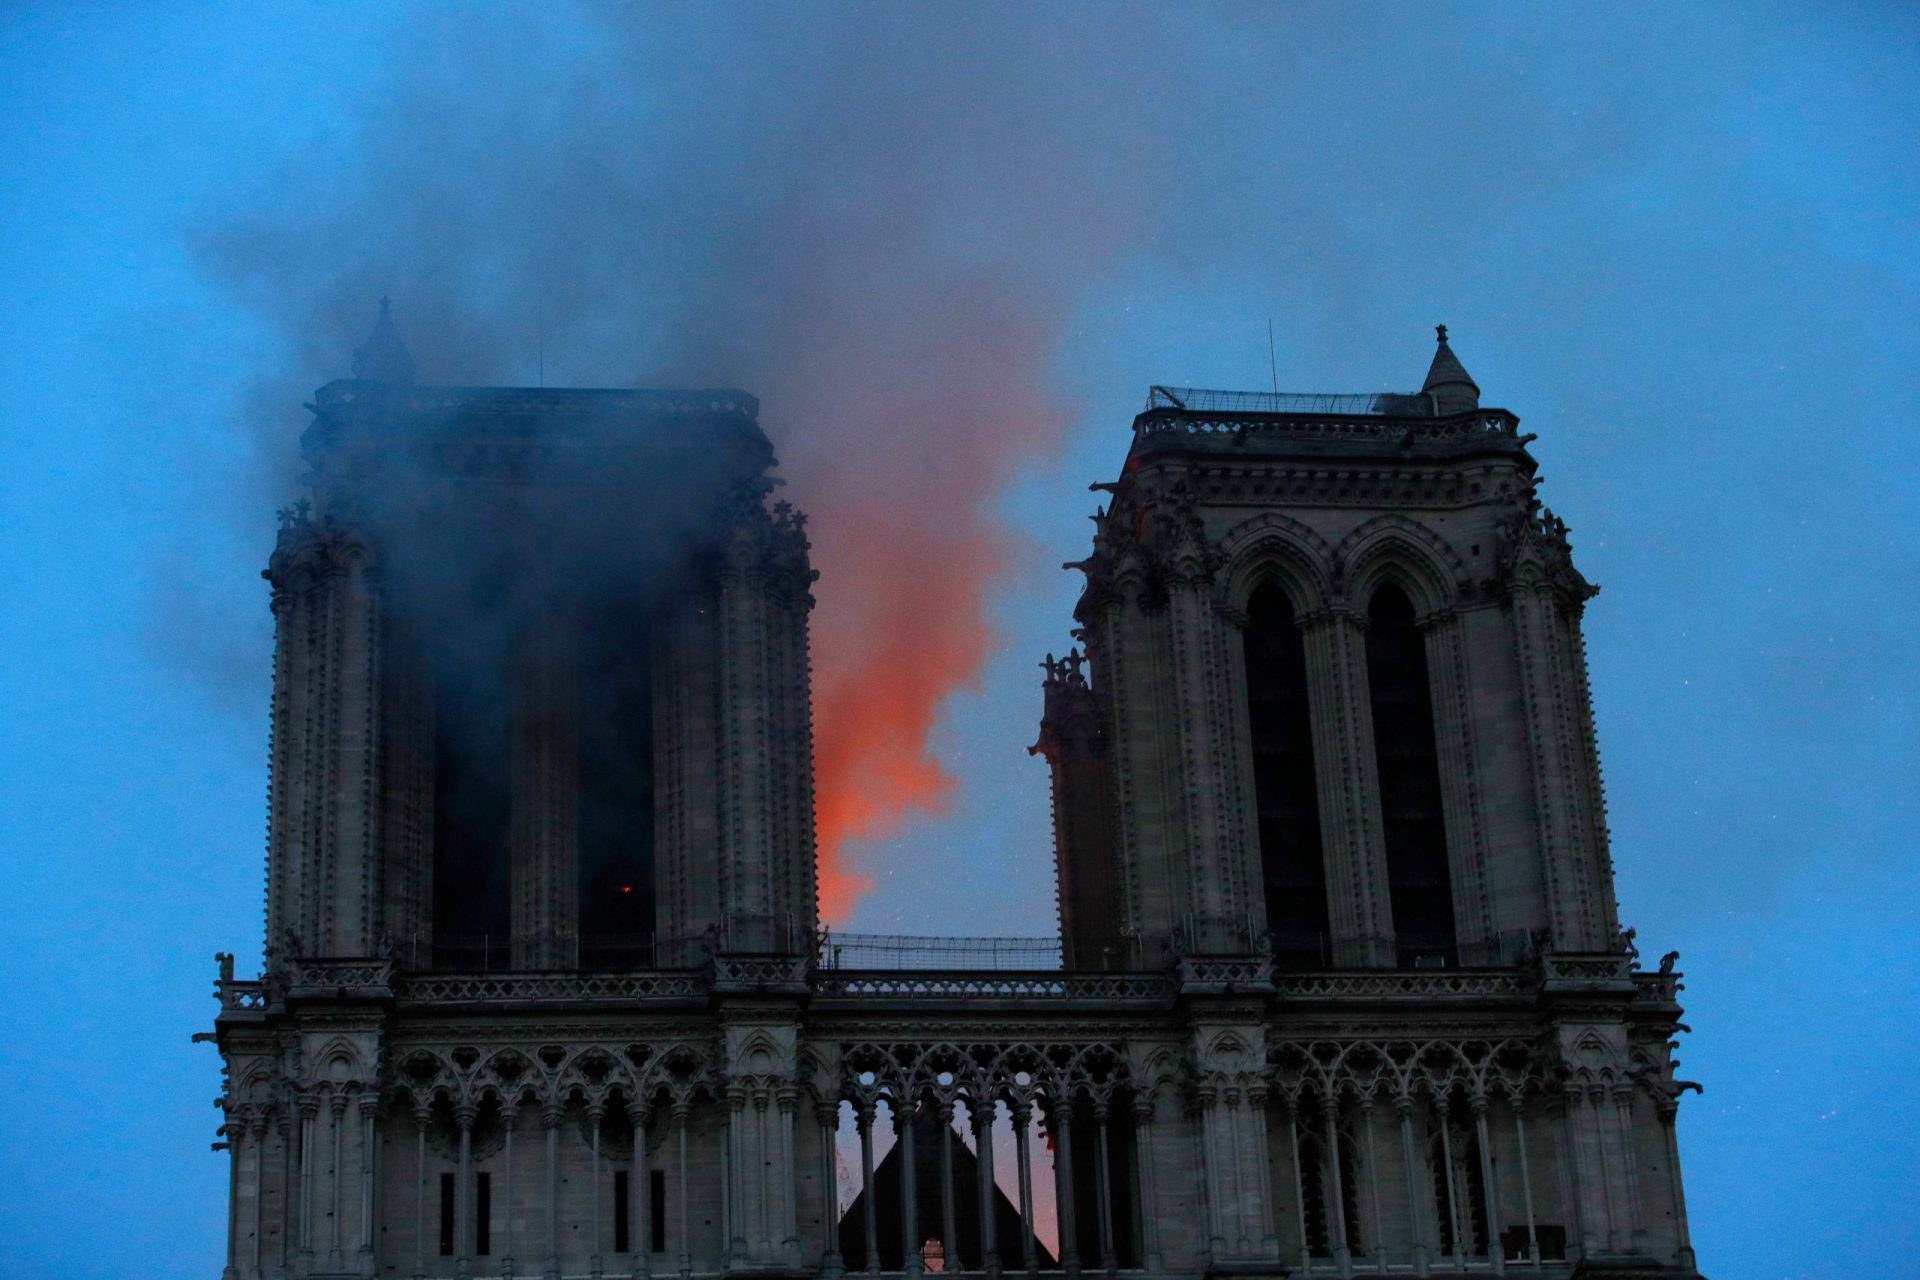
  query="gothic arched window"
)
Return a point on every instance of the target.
[
  {"x": 1285, "y": 791},
  {"x": 1419, "y": 883}
]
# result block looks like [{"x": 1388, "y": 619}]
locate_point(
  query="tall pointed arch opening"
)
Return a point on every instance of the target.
[
  {"x": 1286, "y": 792},
  {"x": 1419, "y": 878}
]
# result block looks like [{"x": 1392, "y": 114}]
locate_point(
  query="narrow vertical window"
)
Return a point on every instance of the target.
[
  {"x": 470, "y": 790},
  {"x": 1313, "y": 1196},
  {"x": 482, "y": 1214},
  {"x": 616, "y": 791},
  {"x": 657, "y": 1210},
  {"x": 1419, "y": 884},
  {"x": 1285, "y": 790},
  {"x": 446, "y": 1215},
  {"x": 621, "y": 1243}
]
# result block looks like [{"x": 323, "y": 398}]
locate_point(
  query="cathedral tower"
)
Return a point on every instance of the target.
[
  {"x": 540, "y": 693},
  {"x": 1336, "y": 687}
]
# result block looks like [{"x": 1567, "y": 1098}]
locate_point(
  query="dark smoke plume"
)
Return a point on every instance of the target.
[{"x": 877, "y": 223}]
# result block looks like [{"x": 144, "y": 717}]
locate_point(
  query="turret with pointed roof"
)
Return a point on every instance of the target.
[
  {"x": 1447, "y": 381},
  {"x": 383, "y": 357}
]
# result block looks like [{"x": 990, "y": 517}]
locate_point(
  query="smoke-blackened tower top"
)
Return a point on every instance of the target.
[{"x": 541, "y": 693}]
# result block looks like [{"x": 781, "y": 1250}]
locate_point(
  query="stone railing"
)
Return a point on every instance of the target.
[
  {"x": 237, "y": 996},
  {"x": 760, "y": 972},
  {"x": 541, "y": 988},
  {"x": 1460, "y": 427},
  {"x": 1404, "y": 984},
  {"x": 1219, "y": 974},
  {"x": 376, "y": 979},
  {"x": 949, "y": 985},
  {"x": 1661, "y": 988},
  {"x": 365, "y": 979},
  {"x": 1603, "y": 968}
]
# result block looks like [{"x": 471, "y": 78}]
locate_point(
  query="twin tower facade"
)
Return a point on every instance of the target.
[{"x": 1340, "y": 987}]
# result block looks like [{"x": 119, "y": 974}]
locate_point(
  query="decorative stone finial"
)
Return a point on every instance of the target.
[{"x": 383, "y": 357}]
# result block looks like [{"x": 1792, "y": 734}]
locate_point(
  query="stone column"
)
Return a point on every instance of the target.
[
  {"x": 1207, "y": 1103},
  {"x": 1023, "y": 1174},
  {"x": 336, "y": 1123},
  {"x": 594, "y": 1115},
  {"x": 1209, "y": 757},
  {"x": 1563, "y": 763},
  {"x": 1594, "y": 1121},
  {"x": 1063, "y": 1185},
  {"x": 509, "y": 1115},
  {"x": 949, "y": 1237},
  {"x": 1299, "y": 1181},
  {"x": 737, "y": 1229},
  {"x": 640, "y": 1196},
  {"x": 1495, "y": 1250},
  {"x": 1244, "y": 1238},
  {"x": 1148, "y": 1199},
  {"x": 982, "y": 1114},
  {"x": 1403, "y": 1108},
  {"x": 1669, "y": 1110},
  {"x": 369, "y": 1155},
  {"x": 868, "y": 1208},
  {"x": 421, "y": 1118},
  {"x": 233, "y": 1129},
  {"x": 1109, "y": 1261},
  {"x": 1336, "y": 1194},
  {"x": 550, "y": 1115},
  {"x": 827, "y": 1115},
  {"x": 324, "y": 864},
  {"x": 1256, "y": 1144},
  {"x": 787, "y": 1098},
  {"x": 682, "y": 1111},
  {"x": 910, "y": 1239},
  {"x": 464, "y": 1114},
  {"x": 309, "y": 1108},
  {"x": 1359, "y": 910},
  {"x": 1634, "y": 1222},
  {"x": 257, "y": 1143},
  {"x": 1573, "y": 1158},
  {"x": 1365, "y": 1104},
  {"x": 745, "y": 708},
  {"x": 283, "y": 1124}
]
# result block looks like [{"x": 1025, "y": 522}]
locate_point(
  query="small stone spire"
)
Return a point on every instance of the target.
[
  {"x": 383, "y": 357},
  {"x": 1447, "y": 381}
]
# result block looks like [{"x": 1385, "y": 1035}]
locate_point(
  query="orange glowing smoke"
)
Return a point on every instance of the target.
[
  {"x": 898, "y": 479},
  {"x": 881, "y": 669}
]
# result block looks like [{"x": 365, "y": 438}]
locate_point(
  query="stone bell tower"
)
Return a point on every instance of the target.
[
  {"x": 540, "y": 734},
  {"x": 1329, "y": 757},
  {"x": 1336, "y": 702},
  {"x": 540, "y": 664}
]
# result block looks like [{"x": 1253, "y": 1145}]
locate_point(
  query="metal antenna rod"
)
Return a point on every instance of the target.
[
  {"x": 543, "y": 336},
  {"x": 1273, "y": 364}
]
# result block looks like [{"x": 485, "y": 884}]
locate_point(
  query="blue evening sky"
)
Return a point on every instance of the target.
[{"x": 1681, "y": 247}]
